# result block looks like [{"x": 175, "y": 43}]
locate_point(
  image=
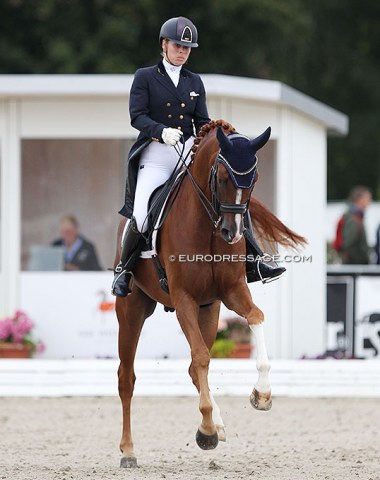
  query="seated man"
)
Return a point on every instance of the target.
[{"x": 80, "y": 254}]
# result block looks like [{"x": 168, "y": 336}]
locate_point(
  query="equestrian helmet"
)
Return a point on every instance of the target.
[{"x": 180, "y": 30}]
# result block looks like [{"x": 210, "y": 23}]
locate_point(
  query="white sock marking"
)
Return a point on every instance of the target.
[
  {"x": 216, "y": 412},
  {"x": 262, "y": 362}
]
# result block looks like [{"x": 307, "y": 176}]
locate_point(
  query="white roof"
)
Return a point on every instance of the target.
[{"x": 216, "y": 85}]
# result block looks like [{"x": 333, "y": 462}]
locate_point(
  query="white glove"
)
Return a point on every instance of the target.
[{"x": 171, "y": 136}]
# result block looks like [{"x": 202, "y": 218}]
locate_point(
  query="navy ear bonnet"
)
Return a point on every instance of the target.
[{"x": 238, "y": 156}]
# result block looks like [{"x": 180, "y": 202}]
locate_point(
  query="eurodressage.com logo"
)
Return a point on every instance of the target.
[{"x": 209, "y": 258}]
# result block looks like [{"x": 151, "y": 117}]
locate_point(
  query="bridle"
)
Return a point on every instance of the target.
[
  {"x": 215, "y": 208},
  {"x": 222, "y": 207}
]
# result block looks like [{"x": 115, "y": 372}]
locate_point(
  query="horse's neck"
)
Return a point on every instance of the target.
[
  {"x": 195, "y": 187},
  {"x": 202, "y": 162}
]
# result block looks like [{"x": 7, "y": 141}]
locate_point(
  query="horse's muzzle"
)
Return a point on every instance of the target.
[{"x": 232, "y": 229}]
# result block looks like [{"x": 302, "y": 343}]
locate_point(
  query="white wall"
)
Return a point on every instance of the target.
[
  {"x": 66, "y": 308},
  {"x": 76, "y": 118},
  {"x": 248, "y": 117},
  {"x": 70, "y": 320},
  {"x": 10, "y": 205},
  {"x": 306, "y": 184},
  {"x": 295, "y": 305}
]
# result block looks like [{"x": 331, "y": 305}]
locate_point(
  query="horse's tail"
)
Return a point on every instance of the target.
[{"x": 270, "y": 229}]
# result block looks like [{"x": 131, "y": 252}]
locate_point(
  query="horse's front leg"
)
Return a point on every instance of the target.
[
  {"x": 208, "y": 320},
  {"x": 239, "y": 299},
  {"x": 261, "y": 397},
  {"x": 187, "y": 313}
]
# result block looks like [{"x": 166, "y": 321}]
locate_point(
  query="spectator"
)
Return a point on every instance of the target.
[
  {"x": 377, "y": 246},
  {"x": 354, "y": 246},
  {"x": 80, "y": 254}
]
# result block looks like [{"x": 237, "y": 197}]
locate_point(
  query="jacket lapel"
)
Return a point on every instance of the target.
[
  {"x": 183, "y": 86},
  {"x": 161, "y": 76}
]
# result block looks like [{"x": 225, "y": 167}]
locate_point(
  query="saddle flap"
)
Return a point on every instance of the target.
[{"x": 157, "y": 205}]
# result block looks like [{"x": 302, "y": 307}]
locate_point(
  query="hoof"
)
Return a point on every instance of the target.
[
  {"x": 261, "y": 401},
  {"x": 221, "y": 433},
  {"x": 128, "y": 462},
  {"x": 206, "y": 442}
]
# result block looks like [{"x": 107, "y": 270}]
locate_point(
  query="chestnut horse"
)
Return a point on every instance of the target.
[{"x": 192, "y": 227}]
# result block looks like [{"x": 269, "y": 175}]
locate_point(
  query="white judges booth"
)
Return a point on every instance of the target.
[{"x": 64, "y": 141}]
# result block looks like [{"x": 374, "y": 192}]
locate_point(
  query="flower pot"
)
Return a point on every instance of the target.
[
  {"x": 14, "y": 350},
  {"x": 242, "y": 350}
]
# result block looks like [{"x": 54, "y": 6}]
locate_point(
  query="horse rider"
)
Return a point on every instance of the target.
[{"x": 167, "y": 104}]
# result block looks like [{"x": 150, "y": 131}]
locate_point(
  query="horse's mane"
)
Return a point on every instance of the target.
[
  {"x": 208, "y": 127},
  {"x": 269, "y": 229}
]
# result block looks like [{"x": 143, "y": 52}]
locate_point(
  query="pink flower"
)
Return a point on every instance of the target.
[
  {"x": 21, "y": 326},
  {"x": 5, "y": 329},
  {"x": 41, "y": 347},
  {"x": 17, "y": 329}
]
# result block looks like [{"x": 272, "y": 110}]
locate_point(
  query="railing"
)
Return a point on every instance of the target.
[{"x": 301, "y": 378}]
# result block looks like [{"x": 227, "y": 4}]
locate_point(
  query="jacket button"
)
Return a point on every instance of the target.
[
  {"x": 168, "y": 104},
  {"x": 170, "y": 115},
  {"x": 179, "y": 128},
  {"x": 183, "y": 105},
  {"x": 181, "y": 117}
]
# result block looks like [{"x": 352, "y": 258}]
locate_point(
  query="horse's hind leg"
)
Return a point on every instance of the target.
[
  {"x": 208, "y": 324},
  {"x": 131, "y": 313},
  {"x": 240, "y": 301}
]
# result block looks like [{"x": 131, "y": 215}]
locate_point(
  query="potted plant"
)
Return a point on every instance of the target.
[
  {"x": 233, "y": 339},
  {"x": 16, "y": 340}
]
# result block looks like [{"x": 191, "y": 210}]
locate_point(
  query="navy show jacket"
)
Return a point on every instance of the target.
[{"x": 156, "y": 103}]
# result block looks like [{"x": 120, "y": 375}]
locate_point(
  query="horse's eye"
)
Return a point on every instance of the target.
[{"x": 222, "y": 181}]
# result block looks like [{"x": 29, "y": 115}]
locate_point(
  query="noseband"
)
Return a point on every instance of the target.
[{"x": 221, "y": 207}]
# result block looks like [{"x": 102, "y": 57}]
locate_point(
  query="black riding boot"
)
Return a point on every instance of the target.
[
  {"x": 132, "y": 245},
  {"x": 257, "y": 270}
]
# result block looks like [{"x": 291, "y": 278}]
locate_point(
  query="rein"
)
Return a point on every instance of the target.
[{"x": 207, "y": 205}]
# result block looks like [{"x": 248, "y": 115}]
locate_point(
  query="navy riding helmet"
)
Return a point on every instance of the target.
[{"x": 180, "y": 30}]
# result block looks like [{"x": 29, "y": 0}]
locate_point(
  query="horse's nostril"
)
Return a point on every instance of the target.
[{"x": 226, "y": 234}]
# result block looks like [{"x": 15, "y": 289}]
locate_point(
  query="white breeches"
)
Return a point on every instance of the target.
[{"x": 157, "y": 162}]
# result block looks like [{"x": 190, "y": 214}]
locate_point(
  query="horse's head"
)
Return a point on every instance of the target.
[{"x": 232, "y": 179}]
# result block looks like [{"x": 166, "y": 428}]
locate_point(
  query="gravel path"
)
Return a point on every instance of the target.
[{"x": 77, "y": 438}]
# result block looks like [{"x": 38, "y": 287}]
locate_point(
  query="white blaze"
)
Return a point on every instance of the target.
[{"x": 238, "y": 217}]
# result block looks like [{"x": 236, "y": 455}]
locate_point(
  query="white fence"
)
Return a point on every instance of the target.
[{"x": 304, "y": 378}]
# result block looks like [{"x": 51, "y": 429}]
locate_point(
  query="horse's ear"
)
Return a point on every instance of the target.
[
  {"x": 224, "y": 142},
  {"x": 261, "y": 140}
]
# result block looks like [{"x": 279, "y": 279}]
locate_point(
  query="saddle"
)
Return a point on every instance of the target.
[{"x": 159, "y": 205}]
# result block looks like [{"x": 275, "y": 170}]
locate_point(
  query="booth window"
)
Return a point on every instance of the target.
[{"x": 81, "y": 178}]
